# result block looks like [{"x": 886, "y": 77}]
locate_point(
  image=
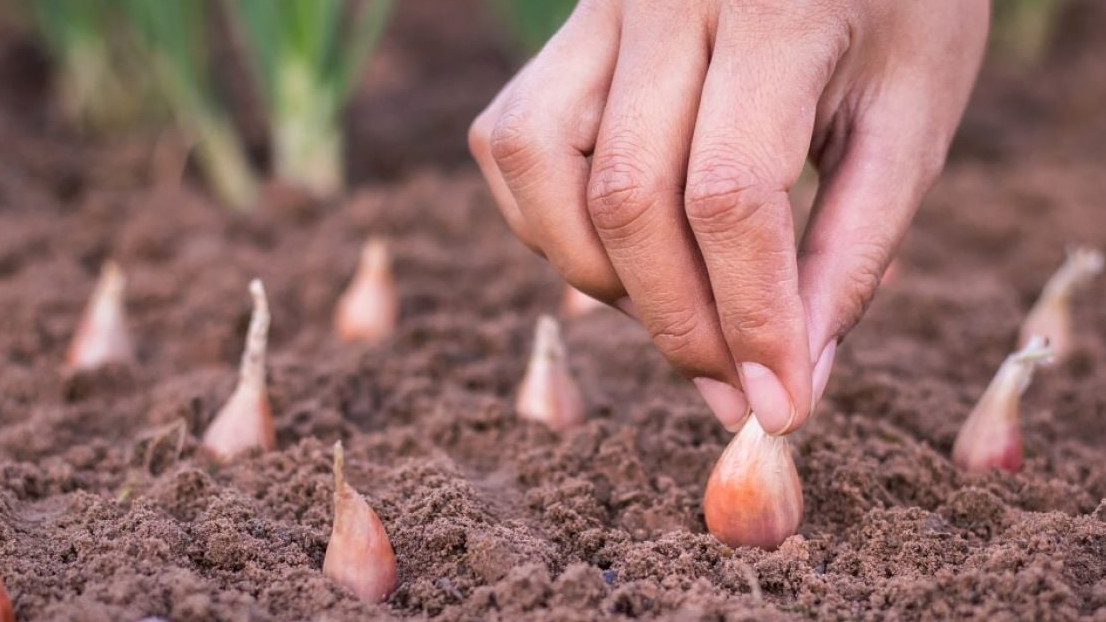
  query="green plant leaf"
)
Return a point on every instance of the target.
[
  {"x": 368, "y": 26},
  {"x": 309, "y": 54},
  {"x": 173, "y": 32},
  {"x": 533, "y": 22}
]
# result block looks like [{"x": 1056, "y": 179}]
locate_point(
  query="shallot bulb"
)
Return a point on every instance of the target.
[
  {"x": 576, "y": 303},
  {"x": 359, "y": 555},
  {"x": 246, "y": 420},
  {"x": 991, "y": 436},
  {"x": 548, "y": 392},
  {"x": 7, "y": 614},
  {"x": 368, "y": 309},
  {"x": 102, "y": 335},
  {"x": 753, "y": 496},
  {"x": 1050, "y": 316}
]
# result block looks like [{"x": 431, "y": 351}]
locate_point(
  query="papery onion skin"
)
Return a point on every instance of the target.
[{"x": 754, "y": 496}]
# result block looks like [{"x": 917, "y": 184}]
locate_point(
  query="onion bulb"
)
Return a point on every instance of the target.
[
  {"x": 102, "y": 335},
  {"x": 368, "y": 309},
  {"x": 548, "y": 392},
  {"x": 246, "y": 420},
  {"x": 7, "y": 614},
  {"x": 359, "y": 556},
  {"x": 753, "y": 496},
  {"x": 991, "y": 436}
]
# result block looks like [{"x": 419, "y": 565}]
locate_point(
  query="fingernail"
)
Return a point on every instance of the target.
[
  {"x": 728, "y": 403},
  {"x": 768, "y": 398},
  {"x": 628, "y": 307},
  {"x": 821, "y": 374}
]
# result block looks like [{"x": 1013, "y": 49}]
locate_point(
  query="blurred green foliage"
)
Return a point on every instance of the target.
[
  {"x": 1022, "y": 29},
  {"x": 533, "y": 22},
  {"x": 174, "y": 33},
  {"x": 101, "y": 85},
  {"x": 309, "y": 55},
  {"x": 113, "y": 55},
  {"x": 333, "y": 38}
]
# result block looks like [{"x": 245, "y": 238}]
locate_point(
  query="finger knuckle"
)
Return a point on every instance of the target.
[
  {"x": 722, "y": 197},
  {"x": 512, "y": 143},
  {"x": 746, "y": 326},
  {"x": 620, "y": 194},
  {"x": 479, "y": 137}
]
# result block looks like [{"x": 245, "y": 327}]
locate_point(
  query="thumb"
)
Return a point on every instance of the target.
[{"x": 864, "y": 206}]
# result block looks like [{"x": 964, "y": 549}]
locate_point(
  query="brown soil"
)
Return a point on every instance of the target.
[{"x": 101, "y": 518}]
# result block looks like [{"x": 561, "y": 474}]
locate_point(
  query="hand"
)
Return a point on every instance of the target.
[{"x": 648, "y": 149}]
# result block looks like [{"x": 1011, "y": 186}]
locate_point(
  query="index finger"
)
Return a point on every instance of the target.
[{"x": 751, "y": 139}]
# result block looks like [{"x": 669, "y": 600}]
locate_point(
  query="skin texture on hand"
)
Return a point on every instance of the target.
[{"x": 648, "y": 149}]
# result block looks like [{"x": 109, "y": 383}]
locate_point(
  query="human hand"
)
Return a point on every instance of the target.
[{"x": 648, "y": 149}]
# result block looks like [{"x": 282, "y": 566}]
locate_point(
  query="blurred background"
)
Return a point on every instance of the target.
[
  {"x": 324, "y": 95},
  {"x": 253, "y": 89}
]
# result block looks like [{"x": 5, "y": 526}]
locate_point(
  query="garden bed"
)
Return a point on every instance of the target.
[{"x": 102, "y": 518}]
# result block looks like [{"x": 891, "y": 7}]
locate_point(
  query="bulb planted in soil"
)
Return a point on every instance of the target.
[
  {"x": 548, "y": 392},
  {"x": 359, "y": 555},
  {"x": 102, "y": 335},
  {"x": 6, "y": 612},
  {"x": 246, "y": 420},
  {"x": 576, "y": 303},
  {"x": 991, "y": 436},
  {"x": 1050, "y": 316},
  {"x": 368, "y": 309},
  {"x": 753, "y": 496}
]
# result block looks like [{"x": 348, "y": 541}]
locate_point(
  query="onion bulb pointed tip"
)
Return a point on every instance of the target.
[{"x": 1051, "y": 315}]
